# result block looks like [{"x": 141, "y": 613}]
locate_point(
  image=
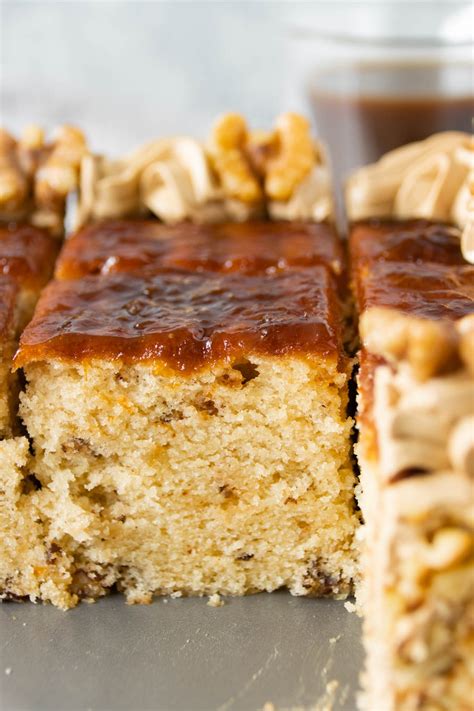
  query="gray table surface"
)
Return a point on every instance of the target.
[{"x": 181, "y": 655}]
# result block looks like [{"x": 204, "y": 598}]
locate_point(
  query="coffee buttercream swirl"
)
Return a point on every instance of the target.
[
  {"x": 236, "y": 175},
  {"x": 431, "y": 179}
]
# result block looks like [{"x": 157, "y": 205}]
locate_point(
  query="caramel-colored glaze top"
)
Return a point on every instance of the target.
[
  {"x": 8, "y": 293},
  {"x": 415, "y": 266},
  {"x": 186, "y": 321},
  {"x": 433, "y": 291},
  {"x": 416, "y": 241},
  {"x": 27, "y": 254},
  {"x": 246, "y": 248}
]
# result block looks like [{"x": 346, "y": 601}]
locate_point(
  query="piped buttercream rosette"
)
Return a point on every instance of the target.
[
  {"x": 236, "y": 175},
  {"x": 431, "y": 179}
]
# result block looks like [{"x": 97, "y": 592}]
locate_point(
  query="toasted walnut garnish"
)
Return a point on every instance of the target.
[
  {"x": 13, "y": 184},
  {"x": 32, "y": 138},
  {"x": 32, "y": 151},
  {"x": 59, "y": 175},
  {"x": 261, "y": 148},
  {"x": 36, "y": 177},
  {"x": 294, "y": 157},
  {"x": 465, "y": 327},
  {"x": 429, "y": 347},
  {"x": 450, "y": 546},
  {"x": 461, "y": 445},
  {"x": 228, "y": 152}
]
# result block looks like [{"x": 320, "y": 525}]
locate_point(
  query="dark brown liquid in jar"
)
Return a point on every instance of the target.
[{"x": 364, "y": 110}]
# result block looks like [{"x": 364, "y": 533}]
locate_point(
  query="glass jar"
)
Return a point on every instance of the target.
[{"x": 383, "y": 74}]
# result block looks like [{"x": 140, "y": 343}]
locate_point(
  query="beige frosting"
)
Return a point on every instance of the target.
[
  {"x": 172, "y": 178},
  {"x": 424, "y": 400},
  {"x": 177, "y": 179},
  {"x": 423, "y": 425},
  {"x": 311, "y": 200},
  {"x": 432, "y": 179}
]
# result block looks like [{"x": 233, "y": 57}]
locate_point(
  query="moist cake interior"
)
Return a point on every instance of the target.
[{"x": 183, "y": 422}]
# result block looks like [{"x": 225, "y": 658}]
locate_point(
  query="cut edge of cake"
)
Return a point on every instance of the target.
[{"x": 255, "y": 493}]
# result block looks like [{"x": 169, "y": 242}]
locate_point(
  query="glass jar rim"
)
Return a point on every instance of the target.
[{"x": 409, "y": 42}]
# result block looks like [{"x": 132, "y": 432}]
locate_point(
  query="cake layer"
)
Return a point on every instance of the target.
[
  {"x": 248, "y": 248},
  {"x": 29, "y": 567},
  {"x": 234, "y": 479},
  {"x": 185, "y": 321}
]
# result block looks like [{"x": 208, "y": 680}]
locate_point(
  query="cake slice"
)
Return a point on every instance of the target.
[
  {"x": 35, "y": 178},
  {"x": 190, "y": 433},
  {"x": 27, "y": 255},
  {"x": 417, "y": 501},
  {"x": 9, "y": 318},
  {"x": 26, "y": 567},
  {"x": 414, "y": 292}
]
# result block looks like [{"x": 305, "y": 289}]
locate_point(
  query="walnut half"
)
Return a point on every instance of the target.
[
  {"x": 36, "y": 177},
  {"x": 430, "y": 347}
]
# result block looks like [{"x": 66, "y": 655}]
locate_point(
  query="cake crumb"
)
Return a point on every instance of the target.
[
  {"x": 268, "y": 706},
  {"x": 350, "y": 607},
  {"x": 216, "y": 601},
  {"x": 176, "y": 594},
  {"x": 8, "y": 671}
]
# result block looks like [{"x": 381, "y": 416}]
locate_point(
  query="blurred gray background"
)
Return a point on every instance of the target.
[
  {"x": 128, "y": 71},
  {"x": 131, "y": 70}
]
